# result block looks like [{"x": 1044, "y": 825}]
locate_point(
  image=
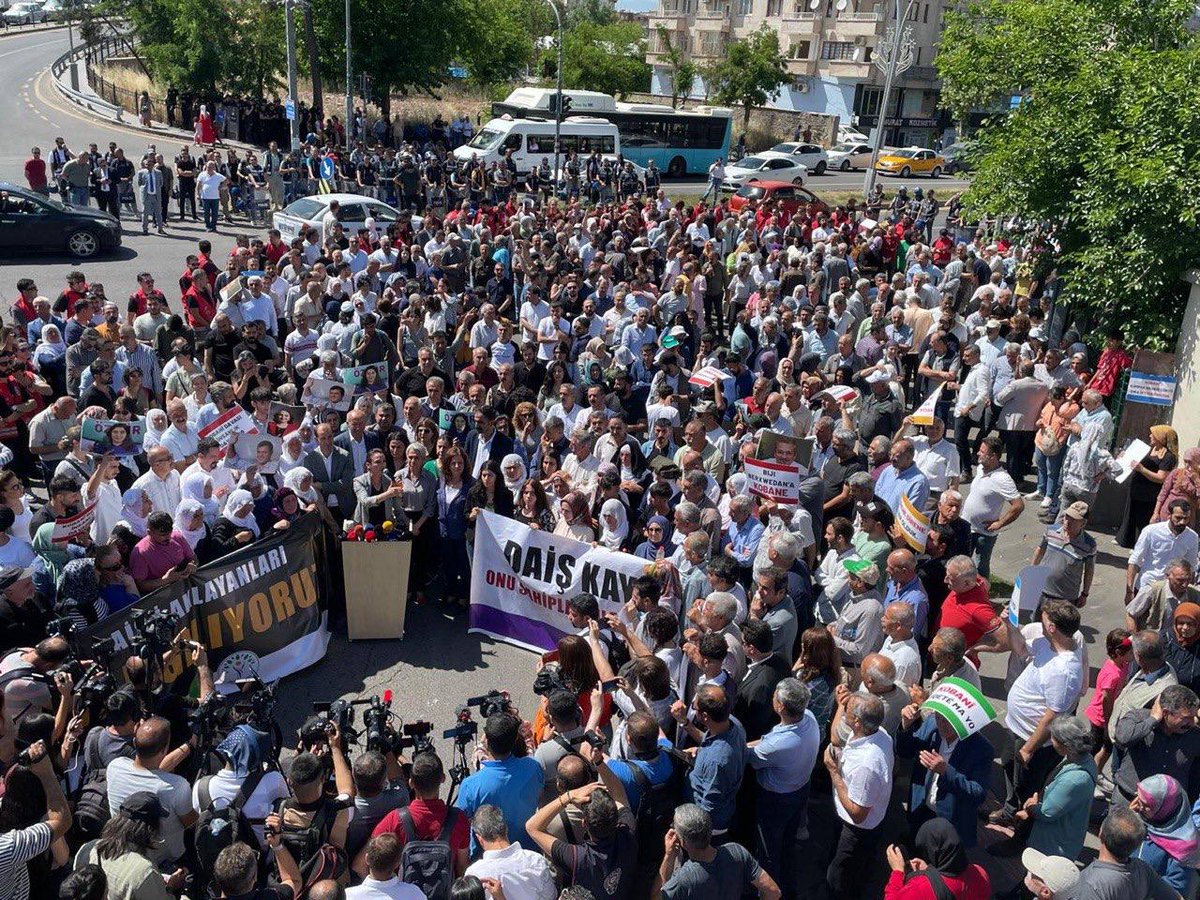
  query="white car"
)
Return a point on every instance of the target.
[
  {"x": 850, "y": 155},
  {"x": 309, "y": 212},
  {"x": 850, "y": 136},
  {"x": 765, "y": 166},
  {"x": 24, "y": 14},
  {"x": 812, "y": 155}
]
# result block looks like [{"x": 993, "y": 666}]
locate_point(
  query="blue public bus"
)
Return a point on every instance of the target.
[{"x": 681, "y": 142}]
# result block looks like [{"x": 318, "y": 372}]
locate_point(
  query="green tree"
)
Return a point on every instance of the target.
[
  {"x": 607, "y": 58},
  {"x": 683, "y": 70},
  {"x": 497, "y": 44},
  {"x": 597, "y": 12},
  {"x": 1104, "y": 147},
  {"x": 752, "y": 71}
]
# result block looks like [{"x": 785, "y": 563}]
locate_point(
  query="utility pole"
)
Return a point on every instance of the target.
[
  {"x": 290, "y": 22},
  {"x": 71, "y": 43},
  {"x": 349, "y": 83},
  {"x": 558, "y": 99},
  {"x": 894, "y": 56}
]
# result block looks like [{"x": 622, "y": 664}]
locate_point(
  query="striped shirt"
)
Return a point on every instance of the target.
[
  {"x": 16, "y": 849},
  {"x": 143, "y": 357}
]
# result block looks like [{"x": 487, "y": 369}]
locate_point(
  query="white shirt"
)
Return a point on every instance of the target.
[
  {"x": 1053, "y": 679},
  {"x": 224, "y": 786},
  {"x": 523, "y": 874},
  {"x": 163, "y": 492},
  {"x": 938, "y": 463},
  {"x": 656, "y": 411},
  {"x": 906, "y": 657},
  {"x": 581, "y": 475},
  {"x": 182, "y": 444},
  {"x": 532, "y": 315},
  {"x": 569, "y": 419},
  {"x": 987, "y": 496},
  {"x": 210, "y": 185},
  {"x": 866, "y": 767},
  {"x": 222, "y": 477},
  {"x": 1156, "y": 546},
  {"x": 547, "y": 328},
  {"x": 392, "y": 889},
  {"x": 973, "y": 393}
]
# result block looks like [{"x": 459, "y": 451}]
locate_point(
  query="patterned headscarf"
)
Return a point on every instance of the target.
[{"x": 1167, "y": 812}]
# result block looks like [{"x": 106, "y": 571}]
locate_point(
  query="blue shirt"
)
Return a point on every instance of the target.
[
  {"x": 912, "y": 483},
  {"x": 914, "y": 595},
  {"x": 513, "y": 784},
  {"x": 744, "y": 539},
  {"x": 784, "y": 758},
  {"x": 717, "y": 774},
  {"x": 657, "y": 771}
]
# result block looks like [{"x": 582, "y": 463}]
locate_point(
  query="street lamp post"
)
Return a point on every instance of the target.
[
  {"x": 893, "y": 57},
  {"x": 289, "y": 12},
  {"x": 349, "y": 83},
  {"x": 558, "y": 90}
]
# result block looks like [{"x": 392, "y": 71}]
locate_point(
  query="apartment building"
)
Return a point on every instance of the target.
[{"x": 828, "y": 55}]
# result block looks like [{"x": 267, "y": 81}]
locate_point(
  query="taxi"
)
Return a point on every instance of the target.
[{"x": 910, "y": 161}]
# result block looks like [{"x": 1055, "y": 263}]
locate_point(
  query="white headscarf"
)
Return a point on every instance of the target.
[
  {"x": 237, "y": 500},
  {"x": 613, "y": 538},
  {"x": 515, "y": 484},
  {"x": 198, "y": 486},
  {"x": 156, "y": 423},
  {"x": 184, "y": 512},
  {"x": 293, "y": 478},
  {"x": 131, "y": 510}
]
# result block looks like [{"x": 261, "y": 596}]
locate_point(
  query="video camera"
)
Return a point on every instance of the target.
[
  {"x": 490, "y": 704},
  {"x": 467, "y": 728},
  {"x": 550, "y": 678},
  {"x": 417, "y": 736},
  {"x": 341, "y": 714},
  {"x": 154, "y": 630}
]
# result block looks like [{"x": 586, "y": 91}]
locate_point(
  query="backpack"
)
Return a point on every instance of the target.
[
  {"x": 656, "y": 810},
  {"x": 309, "y": 845},
  {"x": 217, "y": 829},
  {"x": 429, "y": 864},
  {"x": 91, "y": 807}
]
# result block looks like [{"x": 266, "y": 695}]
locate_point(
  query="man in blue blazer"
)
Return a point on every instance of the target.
[
  {"x": 955, "y": 771},
  {"x": 497, "y": 445}
]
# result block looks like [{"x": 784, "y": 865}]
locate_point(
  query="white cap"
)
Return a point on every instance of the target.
[
  {"x": 878, "y": 377},
  {"x": 1056, "y": 872}
]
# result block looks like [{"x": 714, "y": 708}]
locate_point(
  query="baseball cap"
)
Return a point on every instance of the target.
[
  {"x": 878, "y": 377},
  {"x": 878, "y": 510},
  {"x": 669, "y": 341},
  {"x": 1056, "y": 872},
  {"x": 1037, "y": 334},
  {"x": 144, "y": 806},
  {"x": 863, "y": 568},
  {"x": 1077, "y": 510},
  {"x": 992, "y": 323},
  {"x": 10, "y": 575}
]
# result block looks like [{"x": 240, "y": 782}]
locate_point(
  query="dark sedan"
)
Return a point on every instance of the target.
[{"x": 31, "y": 222}]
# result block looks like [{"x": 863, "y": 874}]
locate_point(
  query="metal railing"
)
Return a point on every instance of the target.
[{"x": 99, "y": 52}]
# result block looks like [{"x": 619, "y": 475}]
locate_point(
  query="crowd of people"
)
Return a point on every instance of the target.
[{"x": 604, "y": 371}]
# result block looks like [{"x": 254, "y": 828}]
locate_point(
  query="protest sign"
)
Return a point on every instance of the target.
[
  {"x": 102, "y": 436},
  {"x": 1027, "y": 594},
  {"x": 259, "y": 610},
  {"x": 925, "y": 413},
  {"x": 367, "y": 379},
  {"x": 70, "y": 528},
  {"x": 1134, "y": 453},
  {"x": 962, "y": 705},
  {"x": 912, "y": 524},
  {"x": 841, "y": 393},
  {"x": 283, "y": 418},
  {"x": 521, "y": 579},
  {"x": 772, "y": 481},
  {"x": 260, "y": 450},
  {"x": 326, "y": 393},
  {"x": 226, "y": 427},
  {"x": 708, "y": 376},
  {"x": 784, "y": 449}
]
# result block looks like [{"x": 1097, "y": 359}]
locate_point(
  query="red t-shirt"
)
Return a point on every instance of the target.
[
  {"x": 35, "y": 172},
  {"x": 970, "y": 612},
  {"x": 972, "y": 884},
  {"x": 428, "y": 818}
]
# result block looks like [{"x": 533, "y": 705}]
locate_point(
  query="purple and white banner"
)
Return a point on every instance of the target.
[{"x": 522, "y": 578}]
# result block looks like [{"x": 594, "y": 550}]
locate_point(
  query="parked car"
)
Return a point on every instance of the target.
[
  {"x": 958, "y": 157},
  {"x": 309, "y": 212},
  {"x": 812, "y": 155},
  {"x": 794, "y": 197},
  {"x": 766, "y": 166},
  {"x": 24, "y": 14},
  {"x": 850, "y": 155},
  {"x": 910, "y": 161},
  {"x": 32, "y": 221},
  {"x": 56, "y": 9},
  {"x": 850, "y": 136}
]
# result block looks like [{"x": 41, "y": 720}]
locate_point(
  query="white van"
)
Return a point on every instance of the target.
[{"x": 532, "y": 140}]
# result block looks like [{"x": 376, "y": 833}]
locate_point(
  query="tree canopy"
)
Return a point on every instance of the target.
[
  {"x": 608, "y": 58},
  {"x": 751, "y": 73},
  {"x": 1104, "y": 146}
]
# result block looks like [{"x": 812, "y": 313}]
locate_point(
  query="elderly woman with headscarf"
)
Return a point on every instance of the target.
[
  {"x": 939, "y": 868},
  {"x": 736, "y": 485},
  {"x": 51, "y": 558},
  {"x": 156, "y": 425},
  {"x": 79, "y": 593},
  {"x": 657, "y": 533},
  {"x": 244, "y": 753},
  {"x": 1182, "y": 483},
  {"x": 1172, "y": 844},
  {"x": 191, "y": 525},
  {"x": 1181, "y": 644},
  {"x": 614, "y": 525},
  {"x": 237, "y": 526},
  {"x": 135, "y": 507},
  {"x": 300, "y": 480},
  {"x": 198, "y": 486},
  {"x": 1146, "y": 483},
  {"x": 574, "y": 519},
  {"x": 512, "y": 467}
]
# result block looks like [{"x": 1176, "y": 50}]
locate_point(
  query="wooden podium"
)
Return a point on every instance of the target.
[{"x": 375, "y": 578}]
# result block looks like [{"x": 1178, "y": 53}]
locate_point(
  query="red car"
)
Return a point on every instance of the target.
[{"x": 793, "y": 196}]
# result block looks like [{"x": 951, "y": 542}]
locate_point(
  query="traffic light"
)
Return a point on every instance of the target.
[{"x": 566, "y": 105}]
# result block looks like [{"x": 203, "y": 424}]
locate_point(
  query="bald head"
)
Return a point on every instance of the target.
[{"x": 151, "y": 740}]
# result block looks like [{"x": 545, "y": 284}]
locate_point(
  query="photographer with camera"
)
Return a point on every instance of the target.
[
  {"x": 427, "y": 817},
  {"x": 28, "y": 681},
  {"x": 19, "y": 845},
  {"x": 566, "y": 734},
  {"x": 379, "y": 788},
  {"x": 235, "y": 875},
  {"x": 145, "y": 679},
  {"x": 512, "y": 783},
  {"x": 314, "y": 822}
]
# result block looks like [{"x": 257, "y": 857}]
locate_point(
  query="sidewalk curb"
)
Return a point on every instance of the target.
[{"x": 31, "y": 29}]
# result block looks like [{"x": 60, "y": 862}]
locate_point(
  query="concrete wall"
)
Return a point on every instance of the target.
[{"x": 1185, "y": 417}]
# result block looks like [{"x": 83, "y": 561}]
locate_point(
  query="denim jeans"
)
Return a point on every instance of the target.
[
  {"x": 78, "y": 196},
  {"x": 212, "y": 211},
  {"x": 984, "y": 544},
  {"x": 1049, "y": 470}
]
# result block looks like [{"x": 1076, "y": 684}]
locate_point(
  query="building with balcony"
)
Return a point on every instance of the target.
[{"x": 828, "y": 53}]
